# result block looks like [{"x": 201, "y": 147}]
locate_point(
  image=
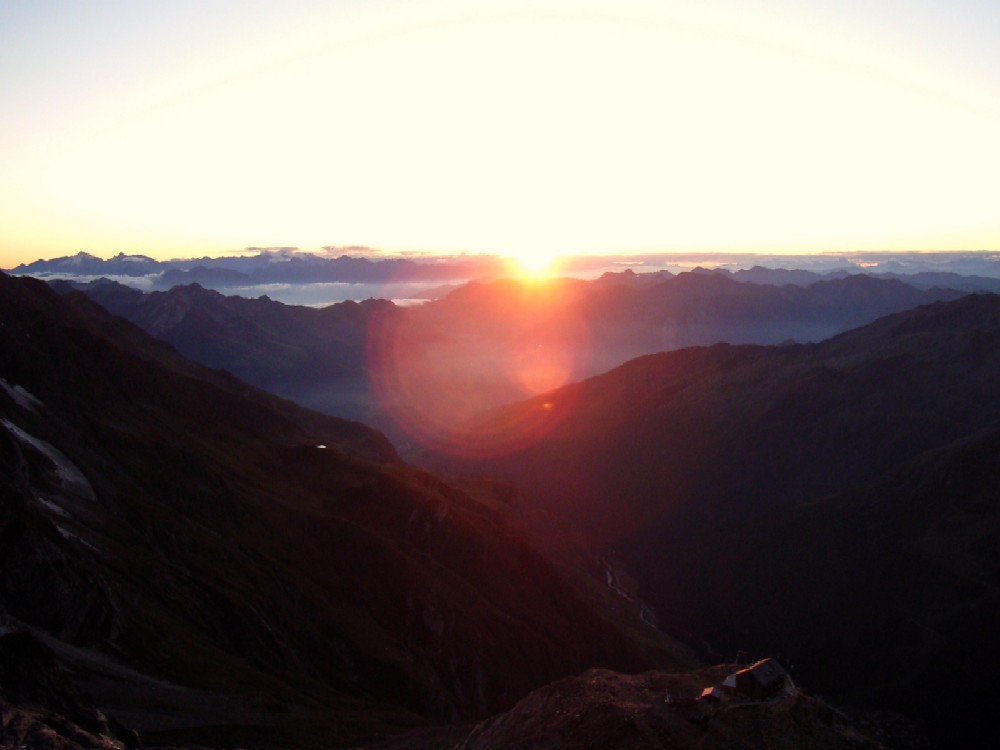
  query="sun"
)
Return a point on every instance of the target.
[{"x": 533, "y": 265}]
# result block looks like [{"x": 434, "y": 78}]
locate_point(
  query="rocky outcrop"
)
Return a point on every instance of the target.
[
  {"x": 41, "y": 706},
  {"x": 656, "y": 710}
]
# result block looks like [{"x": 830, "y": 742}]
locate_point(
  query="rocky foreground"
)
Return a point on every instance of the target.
[
  {"x": 41, "y": 707},
  {"x": 604, "y": 709}
]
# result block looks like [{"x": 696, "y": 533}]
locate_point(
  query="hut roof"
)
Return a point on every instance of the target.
[
  {"x": 711, "y": 693},
  {"x": 765, "y": 672}
]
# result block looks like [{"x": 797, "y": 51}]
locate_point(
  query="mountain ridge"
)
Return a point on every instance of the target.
[{"x": 419, "y": 372}]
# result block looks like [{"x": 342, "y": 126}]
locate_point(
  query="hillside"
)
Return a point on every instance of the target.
[
  {"x": 213, "y": 565},
  {"x": 835, "y": 502},
  {"x": 315, "y": 356}
]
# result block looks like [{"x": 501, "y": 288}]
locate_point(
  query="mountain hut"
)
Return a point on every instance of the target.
[{"x": 762, "y": 680}]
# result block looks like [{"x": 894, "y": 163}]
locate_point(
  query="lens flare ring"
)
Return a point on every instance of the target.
[{"x": 441, "y": 379}]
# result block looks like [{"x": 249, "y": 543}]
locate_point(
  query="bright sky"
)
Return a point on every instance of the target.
[{"x": 197, "y": 127}]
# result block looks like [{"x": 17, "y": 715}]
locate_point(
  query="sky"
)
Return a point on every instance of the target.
[{"x": 183, "y": 128}]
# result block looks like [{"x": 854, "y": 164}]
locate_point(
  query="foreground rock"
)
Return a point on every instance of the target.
[
  {"x": 41, "y": 706},
  {"x": 603, "y": 709}
]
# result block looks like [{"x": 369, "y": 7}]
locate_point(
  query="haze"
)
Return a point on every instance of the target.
[{"x": 524, "y": 129}]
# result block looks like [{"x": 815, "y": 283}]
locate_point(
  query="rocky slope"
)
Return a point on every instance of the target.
[
  {"x": 655, "y": 710},
  {"x": 43, "y": 707},
  {"x": 215, "y": 565}
]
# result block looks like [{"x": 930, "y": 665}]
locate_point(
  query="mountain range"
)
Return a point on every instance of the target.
[
  {"x": 265, "y": 266},
  {"x": 418, "y": 372},
  {"x": 969, "y": 271}
]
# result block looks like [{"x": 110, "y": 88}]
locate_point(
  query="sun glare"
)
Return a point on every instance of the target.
[
  {"x": 514, "y": 127},
  {"x": 537, "y": 265}
]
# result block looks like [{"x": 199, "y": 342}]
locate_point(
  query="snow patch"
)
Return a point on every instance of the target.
[
  {"x": 647, "y": 616},
  {"x": 70, "y": 477},
  {"x": 20, "y": 396},
  {"x": 67, "y": 534},
  {"x": 52, "y": 507},
  {"x": 612, "y": 580}
]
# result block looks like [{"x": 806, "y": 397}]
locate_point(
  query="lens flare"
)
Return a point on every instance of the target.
[
  {"x": 540, "y": 362},
  {"x": 443, "y": 374}
]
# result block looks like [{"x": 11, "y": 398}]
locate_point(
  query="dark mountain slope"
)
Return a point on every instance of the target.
[
  {"x": 906, "y": 565},
  {"x": 316, "y": 356},
  {"x": 835, "y": 502},
  {"x": 780, "y": 424},
  {"x": 220, "y": 566},
  {"x": 108, "y": 338}
]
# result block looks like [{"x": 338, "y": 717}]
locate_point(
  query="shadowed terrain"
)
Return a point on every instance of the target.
[
  {"x": 215, "y": 565},
  {"x": 200, "y": 562},
  {"x": 834, "y": 502}
]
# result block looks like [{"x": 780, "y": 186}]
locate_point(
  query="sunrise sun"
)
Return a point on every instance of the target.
[{"x": 534, "y": 265}]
